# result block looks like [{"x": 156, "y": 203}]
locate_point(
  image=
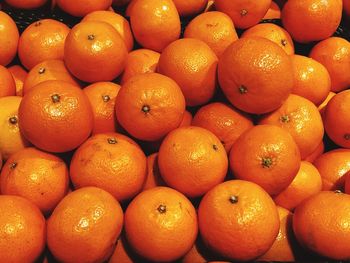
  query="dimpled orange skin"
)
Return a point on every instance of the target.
[
  {"x": 266, "y": 155},
  {"x": 322, "y": 224},
  {"x": 160, "y": 235},
  {"x": 332, "y": 166},
  {"x": 8, "y": 39},
  {"x": 214, "y": 28},
  {"x": 155, "y": 23},
  {"x": 337, "y": 119},
  {"x": 7, "y": 83},
  {"x": 81, "y": 8},
  {"x": 191, "y": 7},
  {"x": 192, "y": 64},
  {"x": 255, "y": 74},
  {"x": 22, "y": 230},
  {"x": 112, "y": 162},
  {"x": 19, "y": 74},
  {"x": 86, "y": 218},
  {"x": 244, "y": 13},
  {"x": 311, "y": 20},
  {"x": 242, "y": 228},
  {"x": 40, "y": 177},
  {"x": 48, "y": 70},
  {"x": 224, "y": 121},
  {"x": 301, "y": 118},
  {"x": 26, "y": 4},
  {"x": 41, "y": 41},
  {"x": 60, "y": 126}
]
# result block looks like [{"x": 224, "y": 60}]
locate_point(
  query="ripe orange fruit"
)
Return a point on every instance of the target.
[
  {"x": 48, "y": 70},
  {"x": 273, "y": 77},
  {"x": 274, "y": 33},
  {"x": 337, "y": 118},
  {"x": 187, "y": 119},
  {"x": 22, "y": 230},
  {"x": 311, "y": 79},
  {"x": 244, "y": 13},
  {"x": 88, "y": 217},
  {"x": 266, "y": 155},
  {"x": 40, "y": 177},
  {"x": 8, "y": 39},
  {"x": 192, "y": 64},
  {"x": 274, "y": 11},
  {"x": 334, "y": 54},
  {"x": 148, "y": 111},
  {"x": 161, "y": 224},
  {"x": 81, "y": 8},
  {"x": 140, "y": 61},
  {"x": 19, "y": 75},
  {"x": 66, "y": 124},
  {"x": 283, "y": 247},
  {"x": 301, "y": 118},
  {"x": 115, "y": 20},
  {"x": 88, "y": 48},
  {"x": 238, "y": 219},
  {"x": 224, "y": 121},
  {"x": 306, "y": 183},
  {"x": 102, "y": 97},
  {"x": 321, "y": 224},
  {"x": 214, "y": 28},
  {"x": 27, "y": 4},
  {"x": 11, "y": 139},
  {"x": 42, "y": 40},
  {"x": 191, "y": 7},
  {"x": 311, "y": 20},
  {"x": 7, "y": 83},
  {"x": 316, "y": 153},
  {"x": 333, "y": 165},
  {"x": 155, "y": 23},
  {"x": 322, "y": 106},
  {"x": 153, "y": 178},
  {"x": 112, "y": 162},
  {"x": 192, "y": 160}
]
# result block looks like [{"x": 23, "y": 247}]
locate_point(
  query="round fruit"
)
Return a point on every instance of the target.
[
  {"x": 26, "y": 4},
  {"x": 7, "y": 83},
  {"x": 8, "y": 39},
  {"x": 19, "y": 74},
  {"x": 81, "y": 8},
  {"x": 190, "y": 7}
]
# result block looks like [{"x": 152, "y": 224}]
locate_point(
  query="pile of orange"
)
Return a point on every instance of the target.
[{"x": 175, "y": 131}]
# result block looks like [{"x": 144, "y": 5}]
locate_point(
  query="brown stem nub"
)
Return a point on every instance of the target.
[
  {"x": 284, "y": 118},
  {"x": 112, "y": 140},
  {"x": 161, "y": 209},
  {"x": 41, "y": 70},
  {"x": 13, "y": 165},
  {"x": 106, "y": 98},
  {"x": 244, "y": 12},
  {"x": 347, "y": 136},
  {"x": 91, "y": 37},
  {"x": 284, "y": 42},
  {"x": 13, "y": 120},
  {"x": 215, "y": 147},
  {"x": 37, "y": 23},
  {"x": 233, "y": 199},
  {"x": 146, "y": 108},
  {"x": 242, "y": 89},
  {"x": 338, "y": 192},
  {"x": 55, "y": 98},
  {"x": 266, "y": 162}
]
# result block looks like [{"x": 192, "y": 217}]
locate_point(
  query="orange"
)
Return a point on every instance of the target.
[
  {"x": 238, "y": 219},
  {"x": 86, "y": 218},
  {"x": 161, "y": 224},
  {"x": 40, "y": 177},
  {"x": 316, "y": 153},
  {"x": 311, "y": 79},
  {"x": 11, "y": 139},
  {"x": 149, "y": 106},
  {"x": 26, "y": 4},
  {"x": 283, "y": 248},
  {"x": 153, "y": 178},
  {"x": 140, "y": 61},
  {"x": 187, "y": 119},
  {"x": 102, "y": 97},
  {"x": 42, "y": 40},
  {"x": 337, "y": 118},
  {"x": 224, "y": 121},
  {"x": 192, "y": 160},
  {"x": 123, "y": 253},
  {"x": 55, "y": 116},
  {"x": 95, "y": 51},
  {"x": 311, "y": 20},
  {"x": 112, "y": 162},
  {"x": 192, "y": 64},
  {"x": 274, "y": 33},
  {"x": 244, "y": 13},
  {"x": 199, "y": 253},
  {"x": 301, "y": 118},
  {"x": 47, "y": 70},
  {"x": 321, "y": 224},
  {"x": 81, "y": 8},
  {"x": 334, "y": 54},
  {"x": 306, "y": 183},
  {"x": 333, "y": 165},
  {"x": 214, "y": 28},
  {"x": 19, "y": 75},
  {"x": 155, "y": 23},
  {"x": 322, "y": 106},
  {"x": 190, "y": 7},
  {"x": 266, "y": 155},
  {"x": 7, "y": 83},
  {"x": 115, "y": 20},
  {"x": 255, "y": 74},
  {"x": 8, "y": 39},
  {"x": 274, "y": 11},
  {"x": 22, "y": 230},
  {"x": 347, "y": 183}
]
